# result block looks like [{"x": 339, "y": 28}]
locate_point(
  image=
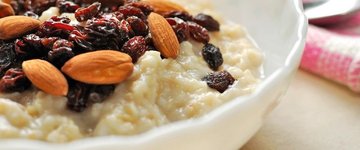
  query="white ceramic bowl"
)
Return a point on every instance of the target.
[{"x": 279, "y": 29}]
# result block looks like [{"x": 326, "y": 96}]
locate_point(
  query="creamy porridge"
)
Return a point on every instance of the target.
[{"x": 159, "y": 90}]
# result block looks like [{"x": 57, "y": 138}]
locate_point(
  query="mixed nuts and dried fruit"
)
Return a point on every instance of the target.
[{"x": 84, "y": 61}]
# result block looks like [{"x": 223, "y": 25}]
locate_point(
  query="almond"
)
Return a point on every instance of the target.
[
  {"x": 163, "y": 6},
  {"x": 15, "y": 26},
  {"x": 164, "y": 37},
  {"x": 46, "y": 77},
  {"x": 99, "y": 67},
  {"x": 6, "y": 1},
  {"x": 6, "y": 10}
]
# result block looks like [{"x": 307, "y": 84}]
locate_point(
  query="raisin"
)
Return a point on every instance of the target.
[
  {"x": 31, "y": 14},
  {"x": 83, "y": 14},
  {"x": 61, "y": 53},
  {"x": 180, "y": 28},
  {"x": 146, "y": 9},
  {"x": 135, "y": 47},
  {"x": 98, "y": 93},
  {"x": 131, "y": 11},
  {"x": 14, "y": 80},
  {"x": 38, "y": 6},
  {"x": 207, "y": 22},
  {"x": 67, "y": 6},
  {"x": 138, "y": 26},
  {"x": 49, "y": 42},
  {"x": 126, "y": 27},
  {"x": 77, "y": 97},
  {"x": 7, "y": 57},
  {"x": 18, "y": 6},
  {"x": 212, "y": 56},
  {"x": 219, "y": 81},
  {"x": 29, "y": 46},
  {"x": 179, "y": 14},
  {"x": 198, "y": 32},
  {"x": 81, "y": 42}
]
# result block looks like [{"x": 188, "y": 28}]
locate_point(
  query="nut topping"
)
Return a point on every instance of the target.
[
  {"x": 6, "y": 10},
  {"x": 163, "y": 6},
  {"x": 99, "y": 67},
  {"x": 164, "y": 37},
  {"x": 15, "y": 26},
  {"x": 45, "y": 76}
]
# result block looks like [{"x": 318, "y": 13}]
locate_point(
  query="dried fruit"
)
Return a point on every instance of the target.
[
  {"x": 164, "y": 37},
  {"x": 61, "y": 53},
  {"x": 56, "y": 26},
  {"x": 179, "y": 14},
  {"x": 83, "y": 14},
  {"x": 99, "y": 67},
  {"x": 16, "y": 26},
  {"x": 46, "y": 77},
  {"x": 163, "y": 6},
  {"x": 135, "y": 47},
  {"x": 138, "y": 26},
  {"x": 67, "y": 6},
  {"x": 128, "y": 11},
  {"x": 146, "y": 9},
  {"x": 14, "y": 80},
  {"x": 212, "y": 56},
  {"x": 7, "y": 57},
  {"x": 6, "y": 10},
  {"x": 219, "y": 81},
  {"x": 198, "y": 33},
  {"x": 207, "y": 22},
  {"x": 180, "y": 27}
]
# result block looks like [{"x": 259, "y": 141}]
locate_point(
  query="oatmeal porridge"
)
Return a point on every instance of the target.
[{"x": 118, "y": 68}]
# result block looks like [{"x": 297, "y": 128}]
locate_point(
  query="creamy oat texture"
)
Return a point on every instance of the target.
[{"x": 159, "y": 91}]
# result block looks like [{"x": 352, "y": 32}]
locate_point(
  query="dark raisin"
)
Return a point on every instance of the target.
[
  {"x": 7, "y": 57},
  {"x": 207, "y": 22},
  {"x": 180, "y": 28},
  {"x": 198, "y": 32},
  {"x": 146, "y": 9},
  {"x": 61, "y": 52},
  {"x": 38, "y": 6},
  {"x": 29, "y": 46},
  {"x": 31, "y": 14},
  {"x": 56, "y": 27},
  {"x": 179, "y": 14},
  {"x": 131, "y": 11},
  {"x": 77, "y": 97},
  {"x": 219, "y": 81},
  {"x": 80, "y": 41},
  {"x": 138, "y": 26},
  {"x": 212, "y": 56},
  {"x": 14, "y": 80},
  {"x": 83, "y": 14},
  {"x": 67, "y": 6},
  {"x": 98, "y": 93},
  {"x": 18, "y": 6},
  {"x": 135, "y": 47},
  {"x": 49, "y": 42},
  {"x": 126, "y": 27}
]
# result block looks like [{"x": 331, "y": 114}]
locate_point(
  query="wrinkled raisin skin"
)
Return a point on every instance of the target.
[
  {"x": 207, "y": 22},
  {"x": 14, "y": 80},
  {"x": 83, "y": 14},
  {"x": 219, "y": 81},
  {"x": 180, "y": 27},
  {"x": 198, "y": 32},
  {"x": 7, "y": 57},
  {"x": 135, "y": 47},
  {"x": 179, "y": 14},
  {"x": 212, "y": 56},
  {"x": 138, "y": 26}
]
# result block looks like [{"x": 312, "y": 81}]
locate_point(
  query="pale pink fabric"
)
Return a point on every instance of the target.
[{"x": 334, "y": 52}]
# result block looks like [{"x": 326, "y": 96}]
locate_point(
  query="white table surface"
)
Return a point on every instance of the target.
[{"x": 315, "y": 114}]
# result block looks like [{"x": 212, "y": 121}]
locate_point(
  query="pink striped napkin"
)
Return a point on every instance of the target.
[{"x": 334, "y": 52}]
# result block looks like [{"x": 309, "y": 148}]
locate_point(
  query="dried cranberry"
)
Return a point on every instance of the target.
[
  {"x": 198, "y": 32},
  {"x": 138, "y": 26},
  {"x": 7, "y": 57},
  {"x": 131, "y": 11},
  {"x": 179, "y": 14},
  {"x": 56, "y": 27},
  {"x": 67, "y": 6},
  {"x": 135, "y": 47},
  {"x": 180, "y": 27},
  {"x": 14, "y": 80},
  {"x": 219, "y": 81},
  {"x": 61, "y": 52},
  {"x": 207, "y": 22},
  {"x": 146, "y": 9},
  {"x": 83, "y": 14},
  {"x": 31, "y": 14},
  {"x": 212, "y": 55}
]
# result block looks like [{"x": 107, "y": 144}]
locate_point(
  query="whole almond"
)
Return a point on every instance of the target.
[
  {"x": 16, "y": 26},
  {"x": 6, "y": 1},
  {"x": 163, "y": 6},
  {"x": 99, "y": 67},
  {"x": 46, "y": 77},
  {"x": 6, "y": 10},
  {"x": 164, "y": 37}
]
